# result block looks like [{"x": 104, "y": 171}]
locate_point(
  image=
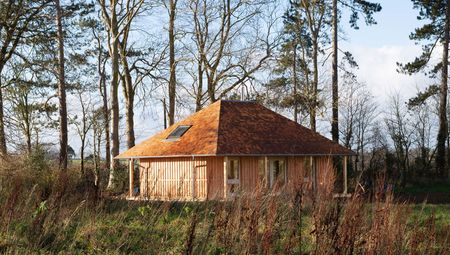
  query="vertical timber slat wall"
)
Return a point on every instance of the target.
[
  {"x": 173, "y": 178},
  {"x": 295, "y": 172},
  {"x": 180, "y": 178},
  {"x": 215, "y": 177},
  {"x": 249, "y": 173},
  {"x": 325, "y": 172}
]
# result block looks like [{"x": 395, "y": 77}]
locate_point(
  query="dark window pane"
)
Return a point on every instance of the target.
[
  {"x": 279, "y": 171},
  {"x": 233, "y": 172},
  {"x": 178, "y": 132}
]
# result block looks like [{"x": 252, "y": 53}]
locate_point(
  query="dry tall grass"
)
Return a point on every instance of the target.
[{"x": 43, "y": 210}]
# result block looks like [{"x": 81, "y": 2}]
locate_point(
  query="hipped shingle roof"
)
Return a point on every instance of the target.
[{"x": 232, "y": 128}]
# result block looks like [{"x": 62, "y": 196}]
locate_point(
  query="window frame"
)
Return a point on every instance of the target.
[
  {"x": 308, "y": 169},
  {"x": 236, "y": 181},
  {"x": 272, "y": 179},
  {"x": 175, "y": 137}
]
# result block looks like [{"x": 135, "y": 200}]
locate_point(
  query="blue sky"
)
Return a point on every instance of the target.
[
  {"x": 395, "y": 22},
  {"x": 378, "y": 48}
]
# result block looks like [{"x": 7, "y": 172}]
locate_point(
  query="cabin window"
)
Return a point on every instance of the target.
[
  {"x": 307, "y": 169},
  {"x": 262, "y": 175},
  {"x": 233, "y": 176},
  {"x": 179, "y": 132},
  {"x": 277, "y": 172}
]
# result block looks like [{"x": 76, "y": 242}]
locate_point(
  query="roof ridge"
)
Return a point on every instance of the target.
[
  {"x": 218, "y": 126},
  {"x": 239, "y": 101}
]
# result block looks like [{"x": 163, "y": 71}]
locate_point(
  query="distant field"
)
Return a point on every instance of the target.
[{"x": 433, "y": 192}]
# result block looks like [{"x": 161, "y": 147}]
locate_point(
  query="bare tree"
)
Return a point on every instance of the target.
[
  {"x": 113, "y": 27},
  {"x": 101, "y": 72},
  {"x": 137, "y": 64},
  {"x": 29, "y": 111},
  {"x": 83, "y": 123},
  {"x": 358, "y": 114},
  {"x": 98, "y": 128},
  {"x": 230, "y": 45},
  {"x": 61, "y": 90},
  {"x": 421, "y": 138},
  {"x": 172, "y": 62},
  {"x": 400, "y": 131},
  {"x": 118, "y": 20}
]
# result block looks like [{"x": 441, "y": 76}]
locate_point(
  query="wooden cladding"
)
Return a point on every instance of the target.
[
  {"x": 180, "y": 178},
  {"x": 201, "y": 178}
]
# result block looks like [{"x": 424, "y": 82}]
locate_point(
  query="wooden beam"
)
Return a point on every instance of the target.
[
  {"x": 225, "y": 178},
  {"x": 345, "y": 174},
  {"x": 313, "y": 173},
  {"x": 193, "y": 178},
  {"x": 131, "y": 177}
]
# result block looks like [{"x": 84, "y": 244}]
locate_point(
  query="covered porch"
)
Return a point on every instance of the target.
[{"x": 198, "y": 178}]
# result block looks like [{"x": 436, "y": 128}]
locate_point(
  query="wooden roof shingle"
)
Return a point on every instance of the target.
[{"x": 231, "y": 128}]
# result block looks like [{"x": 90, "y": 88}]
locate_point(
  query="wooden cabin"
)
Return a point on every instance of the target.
[{"x": 227, "y": 149}]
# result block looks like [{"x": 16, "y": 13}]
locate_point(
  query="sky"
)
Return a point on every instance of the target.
[{"x": 376, "y": 48}]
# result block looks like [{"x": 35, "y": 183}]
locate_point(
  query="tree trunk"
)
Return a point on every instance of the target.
[
  {"x": 441, "y": 159},
  {"x": 3, "y": 150},
  {"x": 130, "y": 120},
  {"x": 294, "y": 80},
  {"x": 198, "y": 98},
  {"x": 315, "y": 84},
  {"x": 211, "y": 89},
  {"x": 106, "y": 117},
  {"x": 129, "y": 100},
  {"x": 172, "y": 78},
  {"x": 334, "y": 78},
  {"x": 98, "y": 160},
  {"x": 82, "y": 157},
  {"x": 61, "y": 91},
  {"x": 114, "y": 92},
  {"x": 95, "y": 152},
  {"x": 165, "y": 112},
  {"x": 27, "y": 125}
]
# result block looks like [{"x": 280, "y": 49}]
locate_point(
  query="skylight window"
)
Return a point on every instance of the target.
[{"x": 178, "y": 132}]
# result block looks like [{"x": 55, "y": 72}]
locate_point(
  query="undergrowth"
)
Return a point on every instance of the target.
[{"x": 46, "y": 211}]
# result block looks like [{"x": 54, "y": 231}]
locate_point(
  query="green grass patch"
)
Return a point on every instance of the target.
[{"x": 426, "y": 188}]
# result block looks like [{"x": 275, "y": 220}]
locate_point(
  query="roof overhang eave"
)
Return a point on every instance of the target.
[{"x": 237, "y": 155}]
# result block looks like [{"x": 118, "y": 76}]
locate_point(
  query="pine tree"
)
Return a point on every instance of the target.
[
  {"x": 18, "y": 20},
  {"x": 357, "y": 7},
  {"x": 297, "y": 64},
  {"x": 432, "y": 33}
]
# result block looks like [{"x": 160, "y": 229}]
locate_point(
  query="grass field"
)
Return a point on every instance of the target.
[
  {"x": 45, "y": 212},
  {"x": 119, "y": 227}
]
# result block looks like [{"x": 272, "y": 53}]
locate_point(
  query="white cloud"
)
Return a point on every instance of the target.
[{"x": 378, "y": 68}]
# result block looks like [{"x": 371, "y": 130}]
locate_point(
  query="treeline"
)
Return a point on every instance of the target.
[{"x": 88, "y": 66}]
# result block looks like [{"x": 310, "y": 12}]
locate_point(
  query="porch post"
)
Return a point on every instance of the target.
[
  {"x": 225, "y": 178},
  {"x": 193, "y": 178},
  {"x": 345, "y": 174},
  {"x": 313, "y": 173},
  {"x": 131, "y": 172}
]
